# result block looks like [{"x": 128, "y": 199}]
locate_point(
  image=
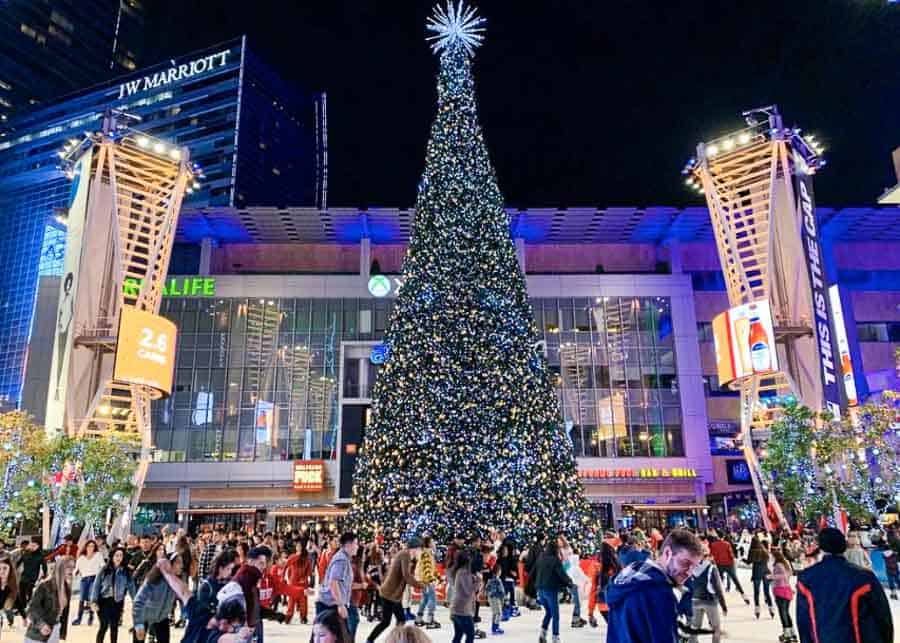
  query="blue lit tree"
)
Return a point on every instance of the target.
[{"x": 466, "y": 430}]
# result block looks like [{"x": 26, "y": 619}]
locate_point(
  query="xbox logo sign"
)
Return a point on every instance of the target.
[{"x": 379, "y": 286}]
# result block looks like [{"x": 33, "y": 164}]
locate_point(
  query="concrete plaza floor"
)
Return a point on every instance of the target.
[{"x": 740, "y": 627}]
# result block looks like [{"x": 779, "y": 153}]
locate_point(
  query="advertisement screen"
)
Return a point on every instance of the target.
[
  {"x": 738, "y": 472},
  {"x": 843, "y": 346},
  {"x": 146, "y": 350},
  {"x": 744, "y": 342}
]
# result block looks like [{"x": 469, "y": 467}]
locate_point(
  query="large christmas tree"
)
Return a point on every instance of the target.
[{"x": 466, "y": 432}]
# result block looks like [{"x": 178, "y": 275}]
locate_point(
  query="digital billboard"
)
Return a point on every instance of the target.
[
  {"x": 745, "y": 342},
  {"x": 146, "y": 350}
]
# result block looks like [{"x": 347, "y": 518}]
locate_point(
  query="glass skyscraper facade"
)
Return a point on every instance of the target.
[
  {"x": 257, "y": 141},
  {"x": 262, "y": 379},
  {"x": 52, "y": 47}
]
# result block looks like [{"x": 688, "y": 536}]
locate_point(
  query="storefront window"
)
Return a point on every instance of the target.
[{"x": 257, "y": 379}]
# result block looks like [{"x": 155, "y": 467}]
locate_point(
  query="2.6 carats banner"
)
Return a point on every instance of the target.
[{"x": 146, "y": 350}]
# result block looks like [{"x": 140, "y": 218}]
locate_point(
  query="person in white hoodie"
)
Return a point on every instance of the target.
[
  {"x": 90, "y": 562},
  {"x": 572, "y": 566}
]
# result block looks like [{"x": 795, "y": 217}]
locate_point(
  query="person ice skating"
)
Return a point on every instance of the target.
[
  {"x": 337, "y": 581},
  {"x": 426, "y": 573},
  {"x": 88, "y": 565},
  {"x": 33, "y": 567},
  {"x": 9, "y": 589},
  {"x": 892, "y": 570},
  {"x": 550, "y": 580},
  {"x": 153, "y": 603},
  {"x": 723, "y": 555},
  {"x": 839, "y": 602},
  {"x": 48, "y": 603},
  {"x": 374, "y": 574},
  {"x": 108, "y": 592},
  {"x": 708, "y": 597},
  {"x": 329, "y": 627},
  {"x": 572, "y": 566},
  {"x": 508, "y": 562},
  {"x": 642, "y": 603},
  {"x": 206, "y": 602},
  {"x": 856, "y": 553},
  {"x": 607, "y": 567},
  {"x": 496, "y": 593},
  {"x": 400, "y": 574},
  {"x": 784, "y": 594},
  {"x": 298, "y": 570},
  {"x": 758, "y": 559},
  {"x": 466, "y": 585}
]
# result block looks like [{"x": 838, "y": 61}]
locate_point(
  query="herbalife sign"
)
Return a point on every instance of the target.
[
  {"x": 173, "y": 74},
  {"x": 176, "y": 287}
]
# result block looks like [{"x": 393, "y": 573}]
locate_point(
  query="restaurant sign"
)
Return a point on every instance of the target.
[
  {"x": 642, "y": 473},
  {"x": 309, "y": 475}
]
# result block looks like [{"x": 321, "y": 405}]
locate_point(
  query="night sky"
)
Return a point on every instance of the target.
[{"x": 593, "y": 103}]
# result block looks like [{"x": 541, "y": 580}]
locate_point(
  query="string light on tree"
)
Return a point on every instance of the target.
[{"x": 466, "y": 431}]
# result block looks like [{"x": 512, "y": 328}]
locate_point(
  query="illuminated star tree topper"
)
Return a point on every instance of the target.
[{"x": 460, "y": 25}]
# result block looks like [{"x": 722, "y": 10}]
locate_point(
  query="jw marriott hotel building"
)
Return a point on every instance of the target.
[{"x": 256, "y": 139}]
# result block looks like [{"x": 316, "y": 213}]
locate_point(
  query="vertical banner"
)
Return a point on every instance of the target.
[
  {"x": 823, "y": 324},
  {"x": 65, "y": 313}
]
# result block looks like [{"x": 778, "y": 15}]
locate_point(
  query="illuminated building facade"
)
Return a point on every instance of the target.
[{"x": 256, "y": 140}]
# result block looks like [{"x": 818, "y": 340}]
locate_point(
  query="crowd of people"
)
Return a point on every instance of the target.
[{"x": 221, "y": 586}]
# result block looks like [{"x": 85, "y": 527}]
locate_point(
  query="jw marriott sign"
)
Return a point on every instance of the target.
[{"x": 173, "y": 74}]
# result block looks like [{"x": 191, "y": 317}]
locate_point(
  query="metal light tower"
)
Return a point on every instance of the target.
[
  {"x": 758, "y": 187},
  {"x": 113, "y": 354}
]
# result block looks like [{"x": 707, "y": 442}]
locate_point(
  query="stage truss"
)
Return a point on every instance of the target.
[
  {"x": 747, "y": 178},
  {"x": 136, "y": 186}
]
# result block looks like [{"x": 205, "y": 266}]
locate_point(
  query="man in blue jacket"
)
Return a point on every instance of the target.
[
  {"x": 839, "y": 602},
  {"x": 641, "y": 599}
]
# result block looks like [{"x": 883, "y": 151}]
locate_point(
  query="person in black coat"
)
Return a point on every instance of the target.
[
  {"x": 839, "y": 602},
  {"x": 534, "y": 553},
  {"x": 549, "y": 579}
]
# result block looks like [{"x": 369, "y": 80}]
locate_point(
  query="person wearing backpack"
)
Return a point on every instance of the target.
[{"x": 708, "y": 596}]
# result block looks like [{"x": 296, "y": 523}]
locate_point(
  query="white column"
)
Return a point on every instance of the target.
[
  {"x": 520, "y": 252},
  {"x": 365, "y": 258},
  {"x": 184, "y": 502},
  {"x": 206, "y": 247}
]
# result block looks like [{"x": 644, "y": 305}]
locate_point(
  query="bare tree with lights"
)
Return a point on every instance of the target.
[{"x": 466, "y": 430}]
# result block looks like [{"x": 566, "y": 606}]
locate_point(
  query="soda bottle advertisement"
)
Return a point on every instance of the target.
[{"x": 745, "y": 342}]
